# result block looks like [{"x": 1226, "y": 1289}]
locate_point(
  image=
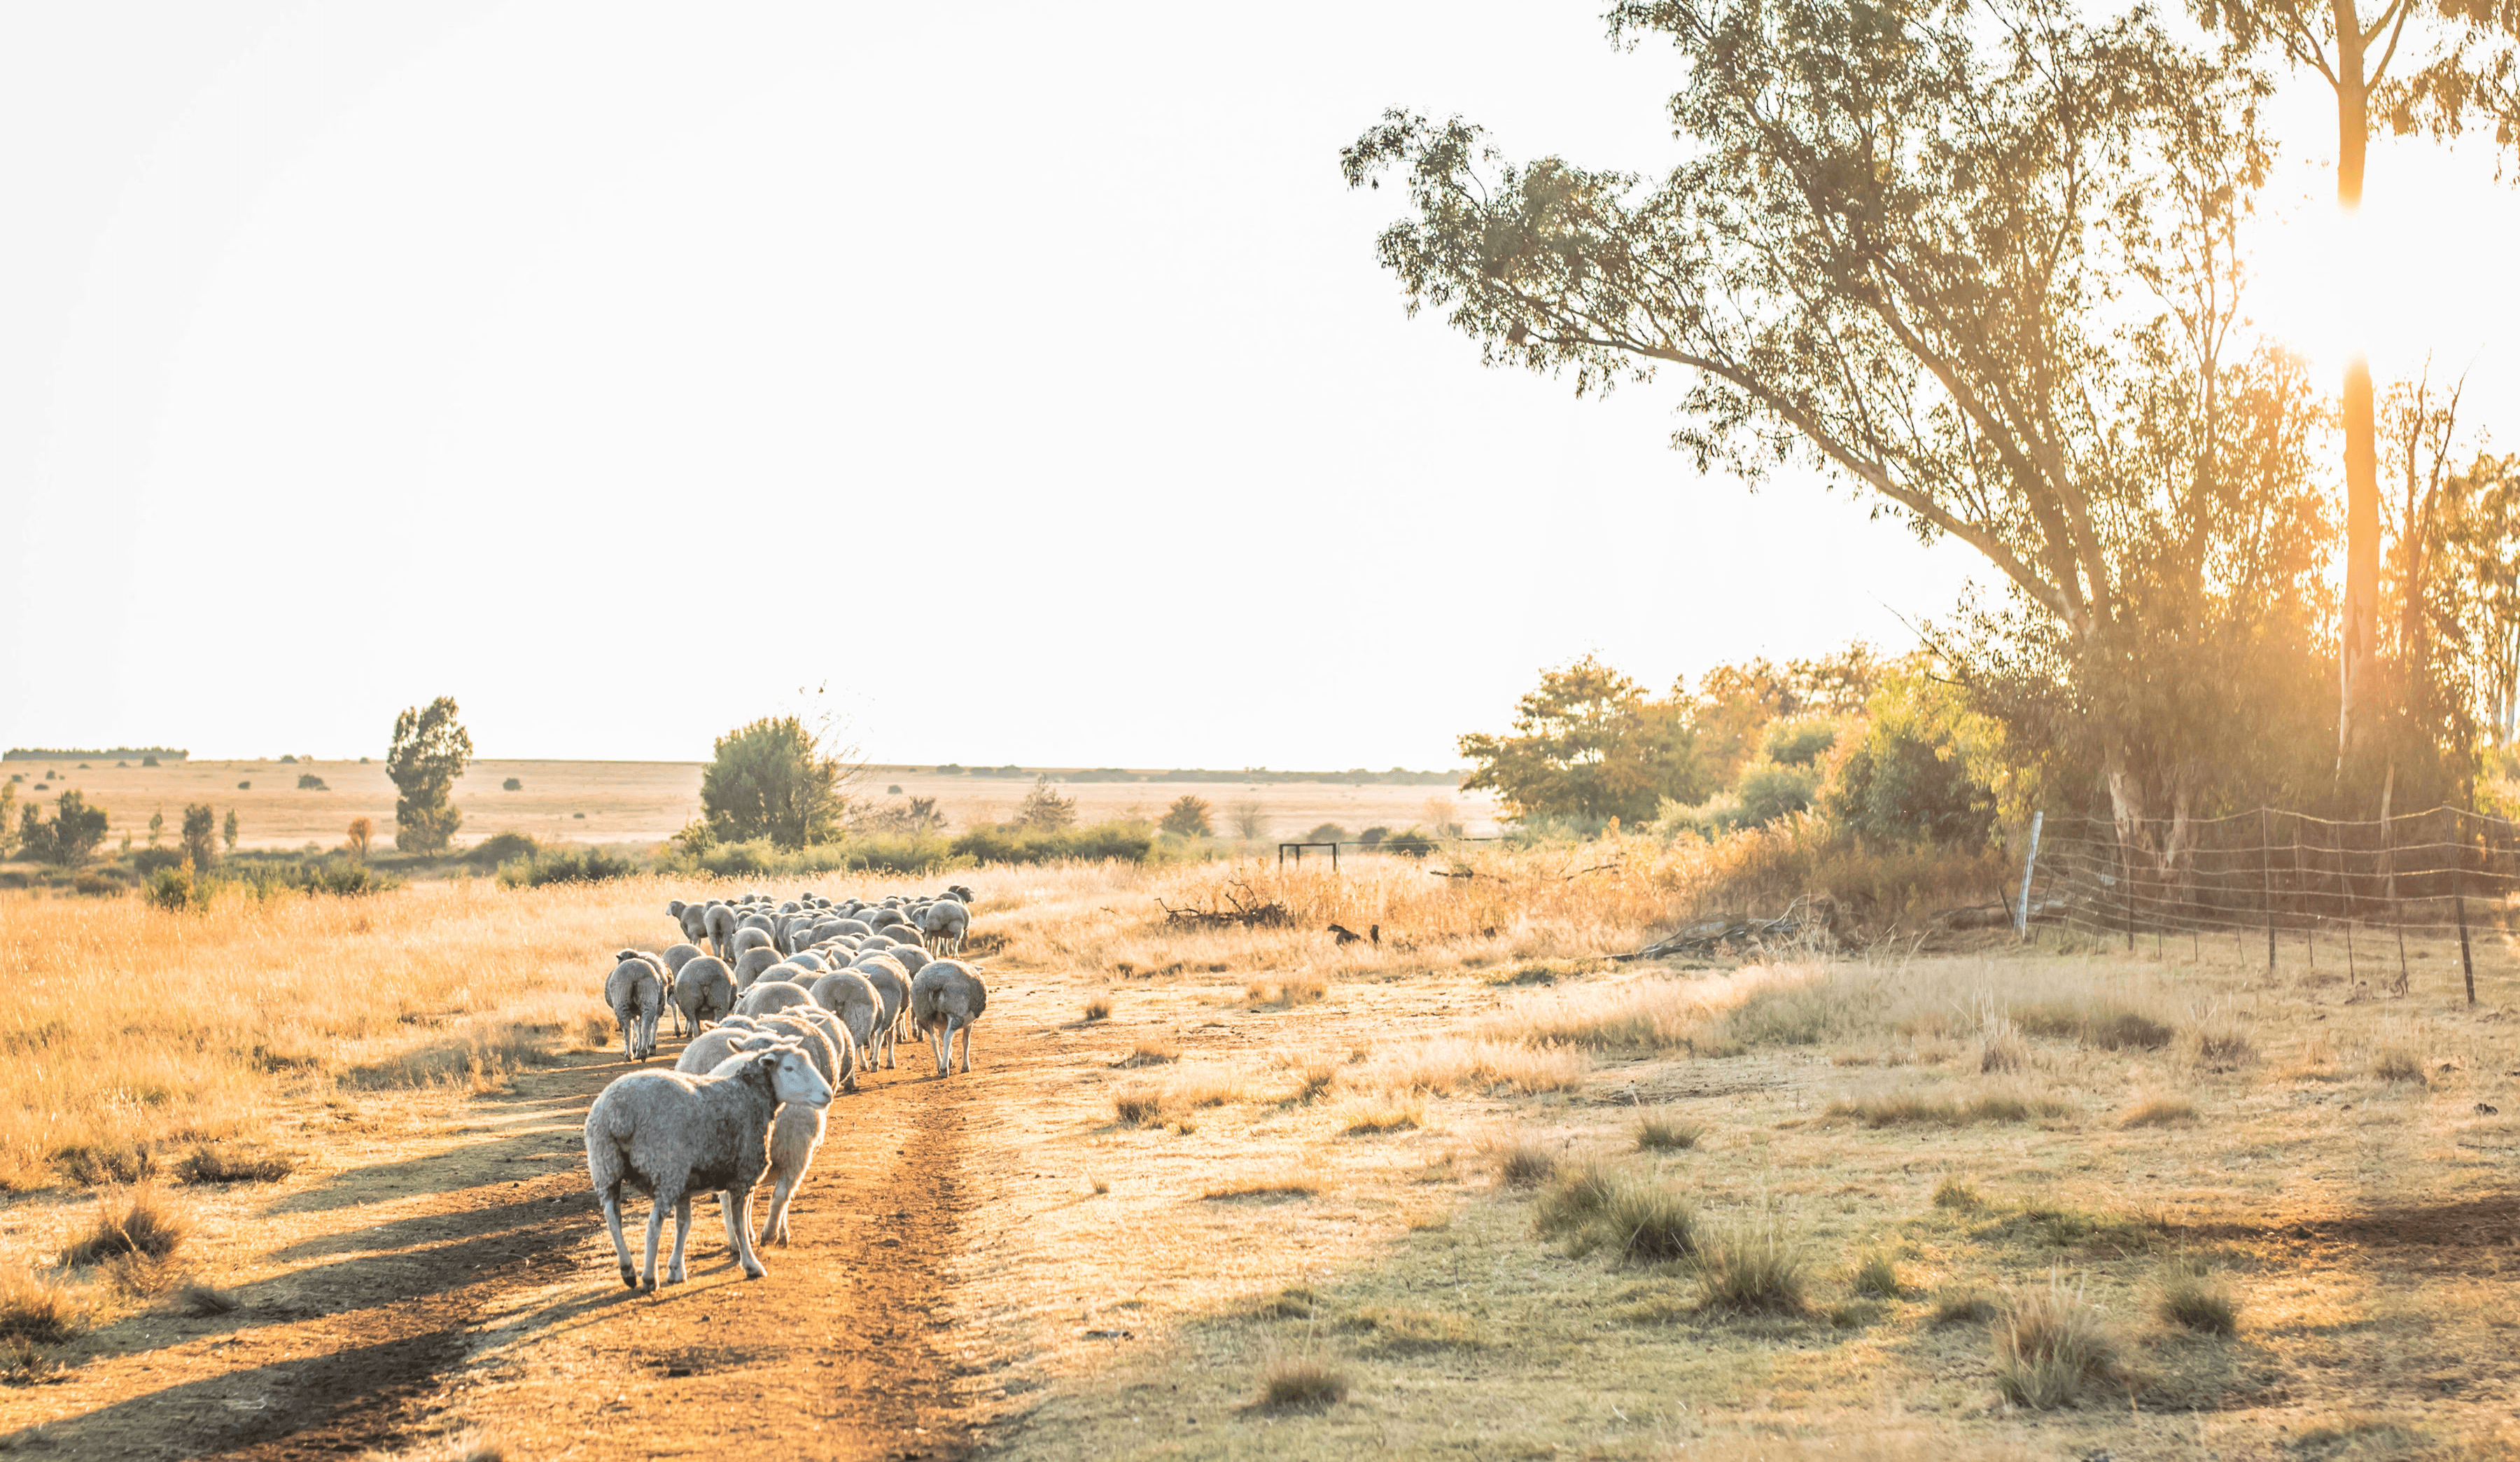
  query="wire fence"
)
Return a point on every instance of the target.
[{"x": 2362, "y": 895}]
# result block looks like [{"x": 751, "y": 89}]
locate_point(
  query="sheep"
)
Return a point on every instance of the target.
[
  {"x": 906, "y": 934},
  {"x": 807, "y": 959},
  {"x": 797, "y": 1130},
  {"x": 855, "y": 925},
  {"x": 678, "y": 955},
  {"x": 748, "y": 937},
  {"x": 750, "y": 963},
  {"x": 636, "y": 993},
  {"x": 709, "y": 1048},
  {"x": 910, "y": 957},
  {"x": 892, "y": 990},
  {"x": 887, "y": 917},
  {"x": 947, "y": 996},
  {"x": 669, "y": 1133},
  {"x": 719, "y": 920},
  {"x": 848, "y": 995},
  {"x": 693, "y": 917},
  {"x": 772, "y": 997},
  {"x": 703, "y": 990},
  {"x": 945, "y": 923},
  {"x": 961, "y": 895}
]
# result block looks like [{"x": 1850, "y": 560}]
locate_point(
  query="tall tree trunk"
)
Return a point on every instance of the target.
[{"x": 2358, "y": 680}]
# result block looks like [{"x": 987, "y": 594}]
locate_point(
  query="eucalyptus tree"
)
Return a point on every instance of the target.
[{"x": 1983, "y": 264}]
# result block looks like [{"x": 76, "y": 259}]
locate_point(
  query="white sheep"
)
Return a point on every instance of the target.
[
  {"x": 703, "y": 990},
  {"x": 749, "y": 965},
  {"x": 693, "y": 917},
  {"x": 636, "y": 993},
  {"x": 945, "y": 923},
  {"x": 749, "y": 937},
  {"x": 847, "y": 995},
  {"x": 672, "y": 1133},
  {"x": 797, "y": 1130},
  {"x": 946, "y": 997},
  {"x": 892, "y": 990},
  {"x": 719, "y": 920},
  {"x": 772, "y": 997}
]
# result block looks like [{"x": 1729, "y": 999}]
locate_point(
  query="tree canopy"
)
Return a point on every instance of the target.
[
  {"x": 430, "y": 752},
  {"x": 770, "y": 779}
]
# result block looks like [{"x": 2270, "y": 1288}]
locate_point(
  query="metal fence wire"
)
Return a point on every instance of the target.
[{"x": 2359, "y": 893}]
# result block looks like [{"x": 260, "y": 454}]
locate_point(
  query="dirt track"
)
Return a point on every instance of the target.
[{"x": 487, "y": 1297}]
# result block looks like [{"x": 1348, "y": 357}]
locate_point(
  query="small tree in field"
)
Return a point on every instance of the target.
[
  {"x": 430, "y": 750},
  {"x": 1250, "y": 819},
  {"x": 7, "y": 819},
  {"x": 70, "y": 838},
  {"x": 361, "y": 832},
  {"x": 1187, "y": 817},
  {"x": 1043, "y": 808},
  {"x": 200, "y": 836},
  {"x": 228, "y": 830},
  {"x": 156, "y": 826},
  {"x": 772, "y": 779}
]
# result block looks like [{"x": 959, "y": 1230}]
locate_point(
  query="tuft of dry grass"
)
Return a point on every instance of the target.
[
  {"x": 2052, "y": 1348},
  {"x": 2189, "y": 1295},
  {"x": 1149, "y": 1053},
  {"x": 1445, "y": 1064},
  {"x": 37, "y": 1310},
  {"x": 1524, "y": 1164},
  {"x": 1418, "y": 1332},
  {"x": 100, "y": 1165},
  {"x": 1577, "y": 1196},
  {"x": 1388, "y": 1115},
  {"x": 1650, "y": 1225},
  {"x": 209, "y": 1163},
  {"x": 1098, "y": 1008},
  {"x": 202, "y": 1298},
  {"x": 1877, "y": 1274},
  {"x": 1288, "y": 1182},
  {"x": 1301, "y": 1383},
  {"x": 1658, "y": 1012},
  {"x": 2224, "y": 1046},
  {"x": 1958, "y": 1192},
  {"x": 1318, "y": 1078},
  {"x": 1138, "y": 1107},
  {"x": 1966, "y": 1307},
  {"x": 2160, "y": 1112},
  {"x": 1754, "y": 1267},
  {"x": 2397, "y": 1064},
  {"x": 1668, "y": 1134},
  {"x": 140, "y": 1222}
]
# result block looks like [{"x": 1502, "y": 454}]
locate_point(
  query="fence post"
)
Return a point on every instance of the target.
[
  {"x": 1334, "y": 857},
  {"x": 2458, "y": 900},
  {"x": 2029, "y": 866},
  {"x": 2126, "y": 885},
  {"x": 2266, "y": 879}
]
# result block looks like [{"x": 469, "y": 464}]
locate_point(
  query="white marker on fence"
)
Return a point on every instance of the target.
[{"x": 2030, "y": 864}]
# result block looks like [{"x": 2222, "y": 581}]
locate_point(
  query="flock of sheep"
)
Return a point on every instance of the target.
[{"x": 788, "y": 1001}]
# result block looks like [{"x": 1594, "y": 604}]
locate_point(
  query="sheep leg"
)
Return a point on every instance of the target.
[
  {"x": 753, "y": 1268},
  {"x": 657, "y": 1231},
  {"x": 678, "y": 1272},
  {"x": 967, "y": 1048},
  {"x": 620, "y": 1246},
  {"x": 774, "y": 1228}
]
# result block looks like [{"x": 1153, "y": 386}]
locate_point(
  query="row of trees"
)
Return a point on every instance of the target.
[{"x": 1986, "y": 264}]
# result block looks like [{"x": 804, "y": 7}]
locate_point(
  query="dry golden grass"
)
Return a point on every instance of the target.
[
  {"x": 2053, "y": 1348},
  {"x": 140, "y": 1224},
  {"x": 438, "y": 984}
]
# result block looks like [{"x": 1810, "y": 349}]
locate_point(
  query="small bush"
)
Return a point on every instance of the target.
[
  {"x": 501, "y": 848},
  {"x": 309, "y": 782},
  {"x": 1877, "y": 1274},
  {"x": 2160, "y": 1112},
  {"x": 1149, "y": 1053},
  {"x": 1138, "y": 1109},
  {"x": 1301, "y": 1385},
  {"x": 1911, "y": 1109},
  {"x": 178, "y": 889},
  {"x": 1958, "y": 1192},
  {"x": 1967, "y": 1308},
  {"x": 1754, "y": 1268},
  {"x": 245, "y": 787},
  {"x": 213, "y": 1164},
  {"x": 591, "y": 865},
  {"x": 2051, "y": 1349},
  {"x": 1650, "y": 1225},
  {"x": 1386, "y": 1117},
  {"x": 204, "y": 1299},
  {"x": 512, "y": 785},
  {"x": 35, "y": 1310},
  {"x": 141, "y": 1223},
  {"x": 1525, "y": 1164},
  {"x": 1575, "y": 1199},
  {"x": 1098, "y": 1008},
  {"x": 2192, "y": 1298},
  {"x": 2224, "y": 1047},
  {"x": 1666, "y": 1134},
  {"x": 95, "y": 1165},
  {"x": 1319, "y": 1079}
]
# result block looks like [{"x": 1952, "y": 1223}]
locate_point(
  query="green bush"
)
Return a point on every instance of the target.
[
  {"x": 772, "y": 779},
  {"x": 177, "y": 888},
  {"x": 502, "y": 849},
  {"x": 1373, "y": 837},
  {"x": 1328, "y": 832},
  {"x": 591, "y": 865},
  {"x": 1413, "y": 843},
  {"x": 1768, "y": 793},
  {"x": 150, "y": 861},
  {"x": 1187, "y": 817},
  {"x": 1125, "y": 842},
  {"x": 309, "y": 782},
  {"x": 1800, "y": 743}
]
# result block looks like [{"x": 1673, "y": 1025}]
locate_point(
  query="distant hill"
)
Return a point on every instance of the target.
[{"x": 119, "y": 753}]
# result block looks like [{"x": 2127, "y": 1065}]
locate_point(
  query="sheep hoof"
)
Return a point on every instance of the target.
[
  {"x": 651, "y": 1285},
  {"x": 629, "y": 1276},
  {"x": 755, "y": 1271}
]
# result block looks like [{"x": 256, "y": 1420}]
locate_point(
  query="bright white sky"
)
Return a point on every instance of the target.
[{"x": 1022, "y": 372}]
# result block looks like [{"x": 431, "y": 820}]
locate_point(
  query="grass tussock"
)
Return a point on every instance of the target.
[
  {"x": 1149, "y": 1053},
  {"x": 1301, "y": 1383},
  {"x": 2223, "y": 1047},
  {"x": 37, "y": 1310},
  {"x": 1139, "y": 1107},
  {"x": 1417, "y": 1332},
  {"x": 2052, "y": 1348},
  {"x": 1446, "y": 1064},
  {"x": 103, "y": 1165},
  {"x": 1650, "y": 1225},
  {"x": 1575, "y": 1199},
  {"x": 1098, "y": 1008},
  {"x": 2160, "y": 1112},
  {"x": 1911, "y": 1109},
  {"x": 1668, "y": 1134},
  {"x": 1387, "y": 1116},
  {"x": 202, "y": 1298},
  {"x": 2104, "y": 1026},
  {"x": 1284, "y": 1183},
  {"x": 1957, "y": 1194},
  {"x": 1302, "y": 988},
  {"x": 1524, "y": 1164},
  {"x": 140, "y": 1222},
  {"x": 1966, "y": 1307},
  {"x": 1876, "y": 1276},
  {"x": 1318, "y": 1079},
  {"x": 1789, "y": 1005},
  {"x": 2189, "y": 1295},
  {"x": 2397, "y": 1064},
  {"x": 1754, "y": 1267},
  {"x": 209, "y": 1163}
]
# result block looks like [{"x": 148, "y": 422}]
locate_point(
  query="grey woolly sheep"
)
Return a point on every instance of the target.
[
  {"x": 887, "y": 917},
  {"x": 771, "y": 996},
  {"x": 807, "y": 959},
  {"x": 719, "y": 920},
  {"x": 892, "y": 989},
  {"x": 945, "y": 923},
  {"x": 693, "y": 917},
  {"x": 910, "y": 957},
  {"x": 703, "y": 990},
  {"x": 848, "y": 995},
  {"x": 636, "y": 993},
  {"x": 749, "y": 938},
  {"x": 750, "y": 963},
  {"x": 712, "y": 1047},
  {"x": 946, "y": 997},
  {"x": 798, "y": 1130},
  {"x": 671, "y": 1134}
]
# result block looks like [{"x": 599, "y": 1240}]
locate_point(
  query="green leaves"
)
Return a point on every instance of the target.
[{"x": 430, "y": 749}]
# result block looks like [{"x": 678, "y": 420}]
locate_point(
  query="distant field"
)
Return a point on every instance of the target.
[{"x": 642, "y": 801}]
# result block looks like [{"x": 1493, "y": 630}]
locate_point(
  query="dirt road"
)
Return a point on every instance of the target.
[{"x": 470, "y": 1286}]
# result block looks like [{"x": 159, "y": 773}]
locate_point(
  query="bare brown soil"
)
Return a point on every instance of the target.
[{"x": 486, "y": 1299}]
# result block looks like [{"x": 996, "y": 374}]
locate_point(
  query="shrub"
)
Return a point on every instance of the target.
[
  {"x": 142, "y": 1224},
  {"x": 1966, "y": 1307},
  {"x": 512, "y": 784},
  {"x": 1373, "y": 837},
  {"x": 430, "y": 752},
  {"x": 1958, "y": 1192},
  {"x": 2051, "y": 1349},
  {"x": 1752, "y": 1268},
  {"x": 362, "y": 836},
  {"x": 309, "y": 782},
  {"x": 36, "y": 1310},
  {"x": 1650, "y": 1225},
  {"x": 1668, "y": 1133},
  {"x": 94, "y": 1164},
  {"x": 1044, "y": 811},
  {"x": 501, "y": 848},
  {"x": 1098, "y": 1008},
  {"x": 228, "y": 827},
  {"x": 1124, "y": 842},
  {"x": 179, "y": 889},
  {"x": 1250, "y": 818},
  {"x": 2116, "y": 1030},
  {"x": 1187, "y": 817},
  {"x": 150, "y": 861},
  {"x": 148, "y": 761},
  {"x": 2397, "y": 1064},
  {"x": 245, "y": 787},
  {"x": 1328, "y": 832},
  {"x": 2192, "y": 1298},
  {"x": 2223, "y": 1047},
  {"x": 1799, "y": 743},
  {"x": 70, "y": 838},
  {"x": 343, "y": 877},
  {"x": 1412, "y": 844},
  {"x": 1576, "y": 1197},
  {"x": 1141, "y": 1106},
  {"x": 200, "y": 836},
  {"x": 207, "y": 1164},
  {"x": 591, "y": 865},
  {"x": 1301, "y": 1385},
  {"x": 1768, "y": 793}
]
